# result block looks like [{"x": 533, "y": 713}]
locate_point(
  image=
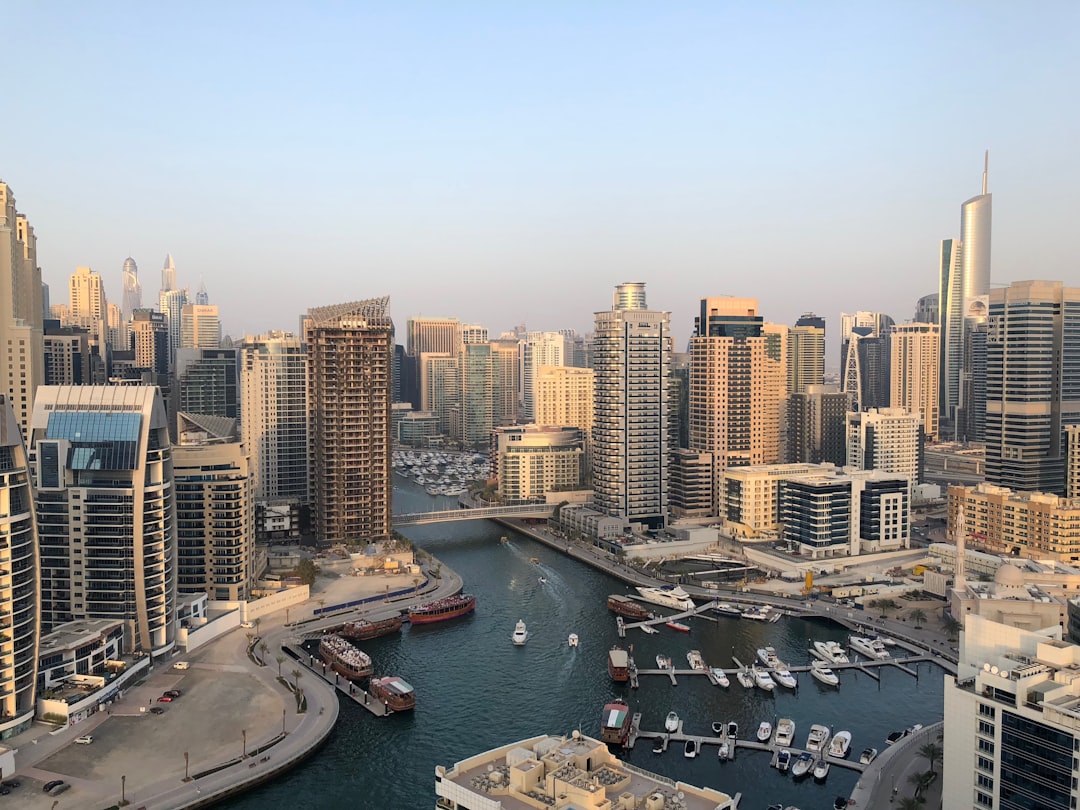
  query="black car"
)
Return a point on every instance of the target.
[
  {"x": 157, "y": 710},
  {"x": 173, "y": 693},
  {"x": 50, "y": 785},
  {"x": 11, "y": 784}
]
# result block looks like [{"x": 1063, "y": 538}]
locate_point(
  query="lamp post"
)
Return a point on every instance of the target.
[
  {"x": 123, "y": 790},
  {"x": 282, "y": 722},
  {"x": 243, "y": 732},
  {"x": 186, "y": 777}
]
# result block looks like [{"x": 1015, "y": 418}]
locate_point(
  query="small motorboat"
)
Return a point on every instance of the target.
[
  {"x": 726, "y": 609},
  {"x": 721, "y": 677},
  {"x": 542, "y": 580},
  {"x": 764, "y": 731},
  {"x": 718, "y": 727},
  {"x": 745, "y": 678},
  {"x": 671, "y": 723},
  {"x": 690, "y": 750},
  {"x": 695, "y": 660},
  {"x": 763, "y": 680},
  {"x": 649, "y": 629},
  {"x": 841, "y": 803},
  {"x": 520, "y": 635},
  {"x": 534, "y": 560},
  {"x": 821, "y": 769},
  {"x": 722, "y": 753},
  {"x": 572, "y": 640},
  {"x": 817, "y": 739},
  {"x": 867, "y": 756},
  {"x": 895, "y": 736},
  {"x": 767, "y": 656},
  {"x": 658, "y": 747},
  {"x": 783, "y": 760},
  {"x": 733, "y": 730},
  {"x": 784, "y": 677},
  {"x": 678, "y": 626},
  {"x": 840, "y": 745},
  {"x": 785, "y": 731},
  {"x": 663, "y": 662},
  {"x": 802, "y": 764},
  {"x": 820, "y": 670}
]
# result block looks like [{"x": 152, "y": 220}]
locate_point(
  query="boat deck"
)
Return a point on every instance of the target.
[{"x": 346, "y": 687}]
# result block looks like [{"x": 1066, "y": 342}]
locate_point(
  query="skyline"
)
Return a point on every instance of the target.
[{"x": 423, "y": 152}]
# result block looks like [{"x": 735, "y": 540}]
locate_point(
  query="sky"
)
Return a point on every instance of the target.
[{"x": 510, "y": 163}]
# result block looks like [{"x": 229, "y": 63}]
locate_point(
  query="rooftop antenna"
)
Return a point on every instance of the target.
[{"x": 986, "y": 169}]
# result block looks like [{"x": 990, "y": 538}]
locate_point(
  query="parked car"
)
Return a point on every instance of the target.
[
  {"x": 85, "y": 739},
  {"x": 157, "y": 710},
  {"x": 49, "y": 786},
  {"x": 173, "y": 693},
  {"x": 164, "y": 699},
  {"x": 56, "y": 790},
  {"x": 180, "y": 665},
  {"x": 247, "y": 625},
  {"x": 10, "y": 783}
]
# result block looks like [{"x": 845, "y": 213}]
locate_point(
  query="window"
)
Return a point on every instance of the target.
[
  {"x": 983, "y": 800},
  {"x": 986, "y": 747},
  {"x": 986, "y": 711},
  {"x": 985, "y": 781},
  {"x": 984, "y": 764},
  {"x": 986, "y": 728}
]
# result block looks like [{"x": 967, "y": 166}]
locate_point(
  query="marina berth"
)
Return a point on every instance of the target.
[
  {"x": 821, "y": 769},
  {"x": 691, "y": 748},
  {"x": 397, "y": 694},
  {"x": 678, "y": 626},
  {"x": 663, "y": 662},
  {"x": 732, "y": 730},
  {"x": 767, "y": 656},
  {"x": 441, "y": 610},
  {"x": 669, "y": 596},
  {"x": 721, "y": 677},
  {"x": 867, "y": 756},
  {"x": 625, "y": 606},
  {"x": 757, "y": 614},
  {"x": 745, "y": 678},
  {"x": 783, "y": 760},
  {"x": 783, "y": 676},
  {"x": 763, "y": 680},
  {"x": 344, "y": 658},
  {"x": 726, "y": 609}
]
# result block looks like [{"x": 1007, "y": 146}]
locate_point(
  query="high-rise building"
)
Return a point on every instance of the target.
[
  {"x": 474, "y": 333},
  {"x": 18, "y": 582},
  {"x": 914, "y": 365},
  {"x": 865, "y": 374},
  {"x": 864, "y": 324},
  {"x": 132, "y": 289},
  {"x": 806, "y": 353},
  {"x": 350, "y": 357},
  {"x": 631, "y": 348},
  {"x": 273, "y": 402},
  {"x": 564, "y": 396},
  {"x": 200, "y": 327},
  {"x": 22, "y": 362},
  {"x": 434, "y": 336},
  {"x": 1032, "y": 383},
  {"x": 150, "y": 340},
  {"x": 504, "y": 360},
  {"x": 168, "y": 274},
  {"x": 817, "y": 426},
  {"x": 538, "y": 349},
  {"x": 103, "y": 474},
  {"x": 67, "y": 355},
  {"x": 206, "y": 381},
  {"x": 964, "y": 286},
  {"x": 736, "y": 386},
  {"x": 171, "y": 305},
  {"x": 530, "y": 461},
  {"x": 927, "y": 309},
  {"x": 888, "y": 439},
  {"x": 474, "y": 418},
  {"x": 87, "y": 292},
  {"x": 202, "y": 297}
]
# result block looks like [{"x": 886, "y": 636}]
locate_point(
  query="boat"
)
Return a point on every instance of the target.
[
  {"x": 696, "y": 661},
  {"x": 841, "y": 803},
  {"x": 763, "y": 680},
  {"x": 395, "y": 693},
  {"x": 618, "y": 664},
  {"x": 721, "y": 677},
  {"x": 867, "y": 647},
  {"x": 776, "y": 616},
  {"x": 520, "y": 634},
  {"x": 663, "y": 662},
  {"x": 745, "y": 678},
  {"x": 690, "y": 750},
  {"x": 757, "y": 614},
  {"x": 648, "y": 628},
  {"x": 625, "y": 606},
  {"x": 764, "y": 731},
  {"x": 615, "y": 722},
  {"x": 785, "y": 731},
  {"x": 718, "y": 727},
  {"x": 504, "y": 539},
  {"x": 895, "y": 736},
  {"x": 821, "y": 769},
  {"x": 821, "y": 671},
  {"x": 723, "y": 751},
  {"x": 818, "y": 737},
  {"x": 572, "y": 640},
  {"x": 362, "y": 629},
  {"x": 658, "y": 746},
  {"x": 534, "y": 560},
  {"x": 784, "y": 677},
  {"x": 343, "y": 657},
  {"x": 542, "y": 580},
  {"x": 670, "y": 596},
  {"x": 840, "y": 745},
  {"x": 726, "y": 609},
  {"x": 671, "y": 722},
  {"x": 441, "y": 610},
  {"x": 831, "y": 652},
  {"x": 732, "y": 730},
  {"x": 767, "y": 656},
  {"x": 867, "y": 756},
  {"x": 802, "y": 764},
  {"x": 783, "y": 760},
  {"x": 885, "y": 640},
  {"x": 679, "y": 626}
]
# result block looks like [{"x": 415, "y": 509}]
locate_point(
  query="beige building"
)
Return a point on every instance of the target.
[
  {"x": 200, "y": 326},
  {"x": 915, "y": 368},
  {"x": 504, "y": 361},
  {"x": 750, "y": 496},
  {"x": 1072, "y": 461},
  {"x": 1036, "y": 525},
  {"x": 22, "y": 364},
  {"x": 806, "y": 353},
  {"x": 1010, "y": 599},
  {"x": 564, "y": 396},
  {"x": 888, "y": 439},
  {"x": 350, "y": 368},
  {"x": 531, "y": 461},
  {"x": 435, "y": 335}
]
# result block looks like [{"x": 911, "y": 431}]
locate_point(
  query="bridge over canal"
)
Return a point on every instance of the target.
[{"x": 537, "y": 510}]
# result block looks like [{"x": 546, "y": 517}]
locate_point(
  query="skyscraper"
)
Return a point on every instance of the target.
[
  {"x": 964, "y": 286},
  {"x": 202, "y": 297},
  {"x": 200, "y": 327},
  {"x": 1032, "y": 383},
  {"x": 888, "y": 439},
  {"x": 350, "y": 359},
  {"x": 538, "y": 349},
  {"x": 206, "y": 381},
  {"x": 168, "y": 274},
  {"x": 171, "y": 305},
  {"x": 132, "y": 289},
  {"x": 806, "y": 353},
  {"x": 632, "y": 346},
  {"x": 428, "y": 336},
  {"x": 817, "y": 426},
  {"x": 914, "y": 364}
]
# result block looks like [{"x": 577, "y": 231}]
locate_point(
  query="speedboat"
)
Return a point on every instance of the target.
[
  {"x": 690, "y": 750},
  {"x": 821, "y": 769},
  {"x": 572, "y": 640},
  {"x": 840, "y": 745},
  {"x": 821, "y": 671},
  {"x": 763, "y": 680},
  {"x": 671, "y": 723},
  {"x": 732, "y": 730},
  {"x": 783, "y": 760},
  {"x": 758, "y": 614},
  {"x": 658, "y": 747},
  {"x": 831, "y": 652},
  {"x": 678, "y": 626},
  {"x": 723, "y": 752},
  {"x": 867, "y": 756},
  {"x": 726, "y": 609},
  {"x": 767, "y": 656},
  {"x": 888, "y": 642},
  {"x": 695, "y": 660},
  {"x": 785, "y": 678},
  {"x": 663, "y": 662},
  {"x": 745, "y": 678},
  {"x": 785, "y": 731},
  {"x": 818, "y": 737},
  {"x": 721, "y": 677},
  {"x": 718, "y": 727},
  {"x": 670, "y": 596},
  {"x": 841, "y": 803},
  {"x": 868, "y": 647},
  {"x": 521, "y": 635},
  {"x": 649, "y": 629},
  {"x": 802, "y": 764},
  {"x": 764, "y": 731},
  {"x": 542, "y": 580},
  {"x": 895, "y": 736}
]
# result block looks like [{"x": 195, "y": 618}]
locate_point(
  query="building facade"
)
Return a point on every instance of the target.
[
  {"x": 888, "y": 439},
  {"x": 750, "y": 496},
  {"x": 914, "y": 372},
  {"x": 816, "y": 425},
  {"x": 207, "y": 383},
  {"x": 200, "y": 326},
  {"x": 531, "y": 461},
  {"x": 564, "y": 396},
  {"x": 538, "y": 349},
  {"x": 806, "y": 353}
]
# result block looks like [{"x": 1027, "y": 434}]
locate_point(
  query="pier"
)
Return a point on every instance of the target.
[
  {"x": 343, "y": 685},
  {"x": 866, "y": 667}
]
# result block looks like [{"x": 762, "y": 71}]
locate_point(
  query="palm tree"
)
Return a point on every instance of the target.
[
  {"x": 297, "y": 675},
  {"x": 921, "y": 781},
  {"x": 885, "y": 605},
  {"x": 918, "y": 616},
  {"x": 280, "y": 660},
  {"x": 952, "y": 627},
  {"x": 263, "y": 648},
  {"x": 932, "y": 752},
  {"x": 912, "y": 802},
  {"x": 415, "y": 583}
]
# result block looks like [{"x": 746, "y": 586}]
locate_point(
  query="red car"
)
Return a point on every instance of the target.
[{"x": 164, "y": 699}]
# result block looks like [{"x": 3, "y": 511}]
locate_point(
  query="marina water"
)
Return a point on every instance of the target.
[{"x": 476, "y": 690}]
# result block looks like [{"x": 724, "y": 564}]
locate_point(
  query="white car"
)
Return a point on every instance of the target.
[
  {"x": 180, "y": 665},
  {"x": 85, "y": 739},
  {"x": 246, "y": 625}
]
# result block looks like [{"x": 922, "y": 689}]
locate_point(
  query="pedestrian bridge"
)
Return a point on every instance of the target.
[{"x": 538, "y": 510}]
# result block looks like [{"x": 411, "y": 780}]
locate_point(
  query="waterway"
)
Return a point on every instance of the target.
[{"x": 476, "y": 691}]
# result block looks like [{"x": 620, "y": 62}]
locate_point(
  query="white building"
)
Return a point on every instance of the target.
[
  {"x": 888, "y": 439},
  {"x": 538, "y": 349}
]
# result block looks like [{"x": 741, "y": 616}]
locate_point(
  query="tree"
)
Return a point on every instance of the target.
[
  {"x": 306, "y": 570},
  {"x": 280, "y": 660},
  {"x": 297, "y": 675},
  {"x": 921, "y": 781},
  {"x": 438, "y": 571},
  {"x": 952, "y": 627},
  {"x": 932, "y": 752},
  {"x": 415, "y": 583},
  {"x": 263, "y": 649},
  {"x": 912, "y": 802},
  {"x": 884, "y": 605}
]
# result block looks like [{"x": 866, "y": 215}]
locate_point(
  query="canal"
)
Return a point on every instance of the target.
[{"x": 475, "y": 690}]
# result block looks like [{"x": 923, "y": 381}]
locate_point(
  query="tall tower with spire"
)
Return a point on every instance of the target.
[
  {"x": 202, "y": 297},
  {"x": 132, "y": 297},
  {"x": 168, "y": 274}
]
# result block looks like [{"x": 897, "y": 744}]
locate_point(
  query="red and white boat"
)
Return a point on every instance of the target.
[
  {"x": 450, "y": 607},
  {"x": 682, "y": 628}
]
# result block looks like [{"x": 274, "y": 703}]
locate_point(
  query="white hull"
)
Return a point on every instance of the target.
[
  {"x": 785, "y": 732},
  {"x": 671, "y": 724},
  {"x": 521, "y": 635},
  {"x": 824, "y": 674},
  {"x": 764, "y": 732},
  {"x": 867, "y": 647},
  {"x": 763, "y": 680},
  {"x": 818, "y": 739},
  {"x": 676, "y": 598},
  {"x": 785, "y": 678},
  {"x": 840, "y": 745},
  {"x": 572, "y": 640},
  {"x": 830, "y": 652}
]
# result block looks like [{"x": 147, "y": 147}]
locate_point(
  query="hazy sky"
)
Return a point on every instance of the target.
[{"x": 510, "y": 163}]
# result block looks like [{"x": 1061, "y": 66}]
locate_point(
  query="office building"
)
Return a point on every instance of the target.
[
  {"x": 67, "y": 354},
  {"x": 438, "y": 335},
  {"x": 888, "y": 439},
  {"x": 690, "y": 484},
  {"x": 105, "y": 501},
  {"x": 440, "y": 388},
  {"x": 21, "y": 311},
  {"x": 350, "y": 356},
  {"x": 168, "y": 274},
  {"x": 564, "y": 396},
  {"x": 806, "y": 353},
  {"x": 1011, "y": 711},
  {"x": 538, "y": 349},
  {"x": 131, "y": 299},
  {"x": 206, "y": 381},
  {"x": 1032, "y": 383},
  {"x": 273, "y": 404},
  {"x": 531, "y": 461},
  {"x": 504, "y": 360},
  {"x": 631, "y": 349},
  {"x": 861, "y": 324},
  {"x": 150, "y": 342},
  {"x": 816, "y": 426},
  {"x": 202, "y": 297},
  {"x": 18, "y": 581},
  {"x": 171, "y": 306},
  {"x": 473, "y": 417},
  {"x": 200, "y": 327},
  {"x": 914, "y": 380},
  {"x": 473, "y": 333},
  {"x": 750, "y": 496},
  {"x": 927, "y": 309}
]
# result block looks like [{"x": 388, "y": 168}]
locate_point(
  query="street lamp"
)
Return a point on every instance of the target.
[
  {"x": 244, "y": 733},
  {"x": 123, "y": 790},
  {"x": 186, "y": 777},
  {"x": 282, "y": 722}
]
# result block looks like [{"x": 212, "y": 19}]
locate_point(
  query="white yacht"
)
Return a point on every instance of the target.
[
  {"x": 759, "y": 614},
  {"x": 723, "y": 752},
  {"x": 663, "y": 661},
  {"x": 802, "y": 764},
  {"x": 821, "y": 770},
  {"x": 721, "y": 677},
  {"x": 695, "y": 660},
  {"x": 691, "y": 748},
  {"x": 671, "y": 722},
  {"x": 767, "y": 656},
  {"x": 868, "y": 647},
  {"x": 784, "y": 677},
  {"x": 831, "y": 652},
  {"x": 867, "y": 756},
  {"x": 764, "y": 731},
  {"x": 785, "y": 731},
  {"x": 841, "y": 743},
  {"x": 671, "y": 596},
  {"x": 521, "y": 635},
  {"x": 745, "y": 678},
  {"x": 572, "y": 640},
  {"x": 763, "y": 680},
  {"x": 819, "y": 736},
  {"x": 726, "y": 609},
  {"x": 821, "y": 671}
]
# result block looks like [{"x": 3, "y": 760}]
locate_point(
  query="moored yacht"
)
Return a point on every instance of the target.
[
  {"x": 763, "y": 680},
  {"x": 671, "y": 722},
  {"x": 695, "y": 660},
  {"x": 818, "y": 737},
  {"x": 784, "y": 677},
  {"x": 721, "y": 677},
  {"x": 785, "y": 731},
  {"x": 671, "y": 596},
  {"x": 767, "y": 656},
  {"x": 802, "y": 764},
  {"x": 764, "y": 731},
  {"x": 867, "y": 756},
  {"x": 840, "y": 745},
  {"x": 869, "y": 647},
  {"x": 726, "y": 609},
  {"x": 745, "y": 678},
  {"x": 821, "y": 769},
  {"x": 783, "y": 760},
  {"x": 663, "y": 662},
  {"x": 520, "y": 634},
  {"x": 831, "y": 652},
  {"x": 820, "y": 670}
]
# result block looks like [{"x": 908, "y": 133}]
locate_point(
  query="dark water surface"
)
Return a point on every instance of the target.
[{"x": 476, "y": 691}]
